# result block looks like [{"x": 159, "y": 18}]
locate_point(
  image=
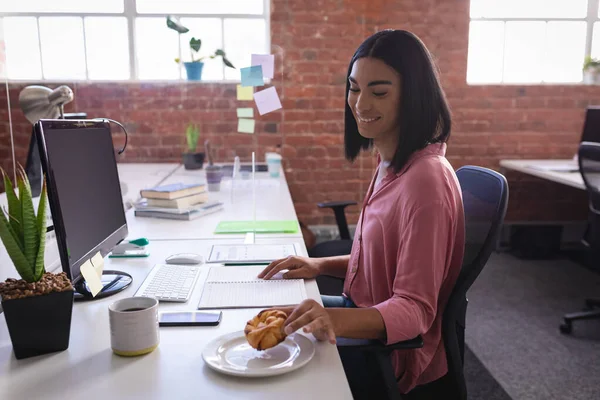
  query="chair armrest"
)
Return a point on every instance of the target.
[
  {"x": 376, "y": 345},
  {"x": 333, "y": 204}
]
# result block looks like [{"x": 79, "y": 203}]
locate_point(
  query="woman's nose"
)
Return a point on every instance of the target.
[{"x": 363, "y": 103}]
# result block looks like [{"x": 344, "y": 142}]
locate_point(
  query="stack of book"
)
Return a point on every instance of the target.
[{"x": 176, "y": 201}]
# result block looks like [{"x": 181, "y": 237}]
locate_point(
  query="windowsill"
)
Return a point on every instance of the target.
[{"x": 130, "y": 81}]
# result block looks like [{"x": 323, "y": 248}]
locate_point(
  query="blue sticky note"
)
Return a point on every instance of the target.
[{"x": 252, "y": 76}]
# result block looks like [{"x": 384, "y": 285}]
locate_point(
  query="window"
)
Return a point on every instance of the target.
[
  {"x": 531, "y": 41},
  {"x": 128, "y": 39}
]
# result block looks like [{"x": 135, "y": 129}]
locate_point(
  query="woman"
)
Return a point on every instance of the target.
[{"x": 409, "y": 241}]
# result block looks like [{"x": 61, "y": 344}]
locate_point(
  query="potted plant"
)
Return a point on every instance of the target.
[
  {"x": 37, "y": 307},
  {"x": 194, "y": 67},
  {"x": 591, "y": 71},
  {"x": 192, "y": 159}
]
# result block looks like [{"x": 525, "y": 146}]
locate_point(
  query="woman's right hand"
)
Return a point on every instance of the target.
[{"x": 298, "y": 268}]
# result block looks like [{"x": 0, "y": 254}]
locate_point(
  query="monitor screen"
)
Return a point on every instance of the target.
[
  {"x": 84, "y": 192},
  {"x": 591, "y": 126}
]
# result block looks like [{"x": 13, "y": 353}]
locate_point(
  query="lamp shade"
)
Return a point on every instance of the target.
[{"x": 40, "y": 102}]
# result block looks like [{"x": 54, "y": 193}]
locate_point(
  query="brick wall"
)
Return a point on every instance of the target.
[{"x": 313, "y": 41}]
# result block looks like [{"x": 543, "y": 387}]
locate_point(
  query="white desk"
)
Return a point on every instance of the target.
[
  {"x": 175, "y": 370},
  {"x": 273, "y": 202},
  {"x": 540, "y": 169}
]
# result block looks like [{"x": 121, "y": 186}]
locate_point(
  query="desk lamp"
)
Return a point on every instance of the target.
[{"x": 40, "y": 102}]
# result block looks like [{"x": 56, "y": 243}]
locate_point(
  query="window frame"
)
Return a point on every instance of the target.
[
  {"x": 130, "y": 13},
  {"x": 590, "y": 19}
]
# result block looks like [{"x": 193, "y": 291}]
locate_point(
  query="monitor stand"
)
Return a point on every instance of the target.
[{"x": 113, "y": 282}]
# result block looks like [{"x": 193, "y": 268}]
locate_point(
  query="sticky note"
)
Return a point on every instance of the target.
[
  {"x": 245, "y": 112},
  {"x": 91, "y": 277},
  {"x": 252, "y": 76},
  {"x": 246, "y": 125},
  {"x": 266, "y": 61},
  {"x": 244, "y": 92},
  {"x": 98, "y": 264},
  {"x": 267, "y": 100}
]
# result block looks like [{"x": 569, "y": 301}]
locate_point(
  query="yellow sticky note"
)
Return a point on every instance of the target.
[
  {"x": 98, "y": 264},
  {"x": 245, "y": 112},
  {"x": 245, "y": 92},
  {"x": 246, "y": 125},
  {"x": 91, "y": 278}
]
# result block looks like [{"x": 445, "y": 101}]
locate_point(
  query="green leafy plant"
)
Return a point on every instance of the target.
[
  {"x": 195, "y": 44},
  {"x": 590, "y": 62},
  {"x": 192, "y": 135},
  {"x": 22, "y": 232}
]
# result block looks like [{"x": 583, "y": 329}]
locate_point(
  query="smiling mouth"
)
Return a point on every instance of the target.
[{"x": 368, "y": 120}]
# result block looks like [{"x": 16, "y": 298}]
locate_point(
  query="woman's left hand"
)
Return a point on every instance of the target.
[{"x": 312, "y": 317}]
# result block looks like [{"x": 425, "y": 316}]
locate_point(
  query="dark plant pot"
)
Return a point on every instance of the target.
[
  {"x": 193, "y": 160},
  {"x": 40, "y": 324},
  {"x": 194, "y": 70}
]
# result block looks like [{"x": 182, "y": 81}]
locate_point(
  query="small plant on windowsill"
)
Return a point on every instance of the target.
[
  {"x": 591, "y": 71},
  {"x": 193, "y": 159},
  {"x": 194, "y": 67},
  {"x": 37, "y": 307}
]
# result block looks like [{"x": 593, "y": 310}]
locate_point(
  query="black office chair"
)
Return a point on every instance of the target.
[
  {"x": 330, "y": 285},
  {"x": 589, "y": 167},
  {"x": 485, "y": 198}
]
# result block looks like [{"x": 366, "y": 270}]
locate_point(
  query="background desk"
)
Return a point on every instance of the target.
[{"x": 537, "y": 168}]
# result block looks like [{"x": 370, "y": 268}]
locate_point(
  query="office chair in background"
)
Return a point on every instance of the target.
[
  {"x": 589, "y": 167},
  {"x": 330, "y": 285},
  {"x": 485, "y": 198}
]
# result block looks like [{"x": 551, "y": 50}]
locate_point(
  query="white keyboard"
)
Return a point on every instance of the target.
[{"x": 167, "y": 282}]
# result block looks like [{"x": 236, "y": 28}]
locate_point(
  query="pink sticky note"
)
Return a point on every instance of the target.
[
  {"x": 267, "y": 61},
  {"x": 267, "y": 100}
]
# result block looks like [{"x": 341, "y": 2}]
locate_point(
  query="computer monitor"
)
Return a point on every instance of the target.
[
  {"x": 84, "y": 193},
  {"x": 591, "y": 125},
  {"x": 33, "y": 167}
]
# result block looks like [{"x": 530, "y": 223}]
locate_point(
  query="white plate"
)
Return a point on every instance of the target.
[{"x": 232, "y": 355}]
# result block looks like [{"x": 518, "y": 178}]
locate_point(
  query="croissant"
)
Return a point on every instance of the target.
[{"x": 266, "y": 329}]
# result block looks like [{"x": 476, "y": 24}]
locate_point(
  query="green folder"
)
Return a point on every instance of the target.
[{"x": 258, "y": 227}]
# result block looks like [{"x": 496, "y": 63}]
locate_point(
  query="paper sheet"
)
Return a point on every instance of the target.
[
  {"x": 98, "y": 264},
  {"x": 267, "y": 101},
  {"x": 252, "y": 76},
  {"x": 245, "y": 112},
  {"x": 269, "y": 293},
  {"x": 246, "y": 125},
  {"x": 267, "y": 62},
  {"x": 245, "y": 92},
  {"x": 91, "y": 277}
]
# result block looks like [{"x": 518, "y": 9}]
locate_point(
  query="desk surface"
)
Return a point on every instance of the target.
[
  {"x": 543, "y": 169},
  {"x": 273, "y": 202},
  {"x": 88, "y": 369}
]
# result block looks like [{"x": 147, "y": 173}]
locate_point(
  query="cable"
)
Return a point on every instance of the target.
[{"x": 122, "y": 127}]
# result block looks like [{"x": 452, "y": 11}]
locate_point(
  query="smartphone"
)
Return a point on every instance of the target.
[{"x": 189, "y": 318}]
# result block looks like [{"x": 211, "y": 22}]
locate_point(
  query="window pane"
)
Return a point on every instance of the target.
[
  {"x": 156, "y": 49},
  {"x": 61, "y": 6},
  {"x": 22, "y": 48},
  {"x": 107, "y": 47},
  {"x": 524, "y": 51},
  {"x": 486, "y": 45},
  {"x": 595, "y": 41},
  {"x": 565, "y": 51},
  {"x": 528, "y": 8},
  {"x": 243, "y": 37},
  {"x": 208, "y": 30},
  {"x": 201, "y": 6},
  {"x": 63, "y": 55}
]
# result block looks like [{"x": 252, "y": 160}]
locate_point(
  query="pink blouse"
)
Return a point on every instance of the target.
[{"x": 406, "y": 256}]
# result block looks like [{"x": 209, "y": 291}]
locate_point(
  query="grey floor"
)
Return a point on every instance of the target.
[{"x": 515, "y": 308}]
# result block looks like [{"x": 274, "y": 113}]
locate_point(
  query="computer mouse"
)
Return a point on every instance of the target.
[{"x": 185, "y": 258}]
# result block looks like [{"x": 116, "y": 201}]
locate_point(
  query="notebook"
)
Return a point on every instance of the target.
[
  {"x": 258, "y": 226},
  {"x": 250, "y": 253},
  {"x": 172, "y": 191},
  {"x": 238, "y": 287}
]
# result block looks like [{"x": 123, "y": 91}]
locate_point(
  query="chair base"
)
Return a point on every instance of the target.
[{"x": 592, "y": 311}]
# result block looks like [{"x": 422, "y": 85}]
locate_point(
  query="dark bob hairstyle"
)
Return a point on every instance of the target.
[{"x": 424, "y": 112}]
